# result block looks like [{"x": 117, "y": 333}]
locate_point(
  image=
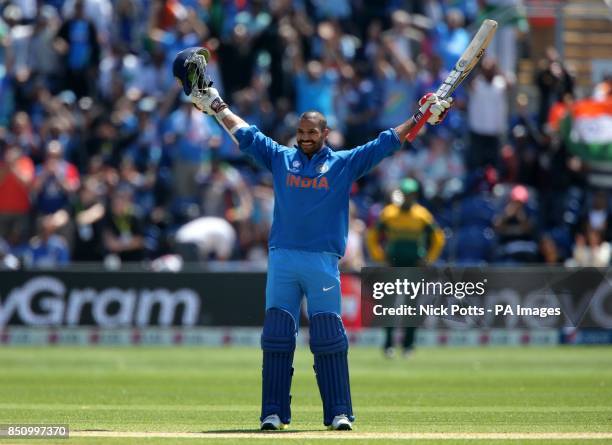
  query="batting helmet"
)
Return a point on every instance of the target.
[{"x": 186, "y": 70}]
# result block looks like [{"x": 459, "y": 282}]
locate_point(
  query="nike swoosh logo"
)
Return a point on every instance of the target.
[{"x": 325, "y": 289}]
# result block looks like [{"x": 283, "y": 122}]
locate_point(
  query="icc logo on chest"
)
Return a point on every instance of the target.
[{"x": 295, "y": 166}]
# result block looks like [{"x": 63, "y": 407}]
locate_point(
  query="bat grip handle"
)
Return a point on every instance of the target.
[{"x": 419, "y": 120}]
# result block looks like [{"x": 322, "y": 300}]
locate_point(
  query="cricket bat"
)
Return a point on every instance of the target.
[{"x": 466, "y": 63}]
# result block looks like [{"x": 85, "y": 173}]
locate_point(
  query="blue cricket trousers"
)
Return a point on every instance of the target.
[{"x": 293, "y": 274}]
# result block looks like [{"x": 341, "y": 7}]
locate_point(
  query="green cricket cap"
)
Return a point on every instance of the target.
[{"x": 409, "y": 185}]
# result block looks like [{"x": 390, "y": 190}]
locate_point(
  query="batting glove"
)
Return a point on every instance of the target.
[
  {"x": 209, "y": 102},
  {"x": 438, "y": 107}
]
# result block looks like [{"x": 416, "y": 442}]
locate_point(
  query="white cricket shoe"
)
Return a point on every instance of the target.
[
  {"x": 272, "y": 423},
  {"x": 341, "y": 423}
]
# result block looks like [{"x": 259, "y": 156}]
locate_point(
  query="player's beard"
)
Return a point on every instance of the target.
[{"x": 311, "y": 148}]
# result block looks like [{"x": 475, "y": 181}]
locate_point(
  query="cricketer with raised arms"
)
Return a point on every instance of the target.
[{"x": 308, "y": 237}]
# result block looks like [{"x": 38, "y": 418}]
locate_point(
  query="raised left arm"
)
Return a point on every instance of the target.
[
  {"x": 404, "y": 128},
  {"x": 365, "y": 157}
]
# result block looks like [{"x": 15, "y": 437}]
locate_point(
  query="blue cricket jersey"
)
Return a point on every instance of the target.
[{"x": 311, "y": 196}]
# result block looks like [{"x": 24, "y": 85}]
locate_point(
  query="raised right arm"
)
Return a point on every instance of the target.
[{"x": 250, "y": 140}]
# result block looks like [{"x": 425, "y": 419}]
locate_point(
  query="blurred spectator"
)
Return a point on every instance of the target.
[
  {"x": 23, "y": 134},
  {"x": 395, "y": 77},
  {"x": 122, "y": 228},
  {"x": 16, "y": 41},
  {"x": 43, "y": 60},
  {"x": 88, "y": 214},
  {"x": 451, "y": 37},
  {"x": 225, "y": 193},
  {"x": 16, "y": 176},
  {"x": 188, "y": 31},
  {"x": 255, "y": 108},
  {"x": 77, "y": 41},
  {"x": 487, "y": 114},
  {"x": 212, "y": 237},
  {"x": 144, "y": 146},
  {"x": 515, "y": 229},
  {"x": 156, "y": 79},
  {"x": 315, "y": 88},
  {"x": 126, "y": 23},
  {"x": 56, "y": 181},
  {"x": 393, "y": 169},
  {"x": 190, "y": 136},
  {"x": 100, "y": 12},
  {"x": 276, "y": 40},
  {"x": 31, "y": 43},
  {"x": 239, "y": 60},
  {"x": 437, "y": 165},
  {"x": 333, "y": 44},
  {"x": 590, "y": 250},
  {"x": 361, "y": 106},
  {"x": 139, "y": 184},
  {"x": 553, "y": 81},
  {"x": 405, "y": 38},
  {"x": 598, "y": 216},
  {"x": 255, "y": 235},
  {"x": 47, "y": 249},
  {"x": 512, "y": 26},
  {"x": 526, "y": 142}
]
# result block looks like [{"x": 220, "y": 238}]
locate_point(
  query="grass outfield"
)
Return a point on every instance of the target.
[{"x": 450, "y": 392}]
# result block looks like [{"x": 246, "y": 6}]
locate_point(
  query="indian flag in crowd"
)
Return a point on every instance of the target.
[{"x": 587, "y": 130}]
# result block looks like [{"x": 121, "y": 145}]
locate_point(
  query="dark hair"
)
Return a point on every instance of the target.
[{"x": 315, "y": 116}]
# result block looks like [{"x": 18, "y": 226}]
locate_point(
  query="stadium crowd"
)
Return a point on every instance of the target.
[{"x": 103, "y": 158}]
